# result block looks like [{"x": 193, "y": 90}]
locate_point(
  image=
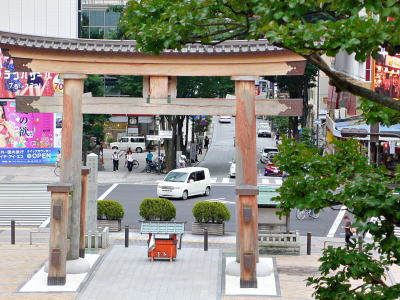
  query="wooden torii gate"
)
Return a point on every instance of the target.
[{"x": 244, "y": 61}]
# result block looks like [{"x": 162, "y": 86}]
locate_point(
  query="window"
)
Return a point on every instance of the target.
[
  {"x": 111, "y": 18},
  {"x": 176, "y": 177},
  {"x": 124, "y": 140},
  {"x": 97, "y": 18},
  {"x": 200, "y": 175},
  {"x": 192, "y": 177}
]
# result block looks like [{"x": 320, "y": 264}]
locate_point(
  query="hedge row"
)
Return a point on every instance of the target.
[{"x": 211, "y": 212}]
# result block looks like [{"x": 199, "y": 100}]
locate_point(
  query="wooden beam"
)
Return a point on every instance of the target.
[
  {"x": 178, "y": 106},
  {"x": 189, "y": 64}
]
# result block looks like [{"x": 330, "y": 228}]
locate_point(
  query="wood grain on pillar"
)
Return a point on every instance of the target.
[
  {"x": 246, "y": 176},
  {"x": 71, "y": 153}
]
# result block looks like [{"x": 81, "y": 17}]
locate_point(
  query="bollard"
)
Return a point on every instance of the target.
[
  {"x": 12, "y": 232},
  {"x": 126, "y": 236},
  {"x": 308, "y": 243},
  {"x": 205, "y": 239}
]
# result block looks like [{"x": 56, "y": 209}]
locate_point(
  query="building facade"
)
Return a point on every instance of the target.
[{"x": 55, "y": 18}]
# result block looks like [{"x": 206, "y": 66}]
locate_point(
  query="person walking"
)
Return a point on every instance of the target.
[
  {"x": 348, "y": 231},
  {"x": 206, "y": 142},
  {"x": 115, "y": 159},
  {"x": 129, "y": 160}
]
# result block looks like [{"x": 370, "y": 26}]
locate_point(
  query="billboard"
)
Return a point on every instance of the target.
[
  {"x": 386, "y": 78},
  {"x": 27, "y": 138}
]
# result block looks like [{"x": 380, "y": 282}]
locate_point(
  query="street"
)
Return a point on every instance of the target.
[{"x": 221, "y": 152}]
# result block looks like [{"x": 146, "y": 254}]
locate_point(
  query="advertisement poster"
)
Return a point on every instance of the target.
[
  {"x": 387, "y": 72},
  {"x": 27, "y": 138}
]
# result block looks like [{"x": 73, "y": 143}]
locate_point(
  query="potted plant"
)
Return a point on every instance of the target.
[
  {"x": 157, "y": 209},
  {"x": 211, "y": 215},
  {"x": 109, "y": 214}
]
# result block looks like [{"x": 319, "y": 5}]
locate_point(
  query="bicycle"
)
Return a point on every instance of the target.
[
  {"x": 135, "y": 164},
  {"x": 301, "y": 214},
  {"x": 57, "y": 170}
]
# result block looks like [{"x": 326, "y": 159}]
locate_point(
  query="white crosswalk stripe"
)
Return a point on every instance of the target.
[
  {"x": 274, "y": 181},
  {"x": 213, "y": 180},
  {"x": 225, "y": 180},
  {"x": 27, "y": 204}
]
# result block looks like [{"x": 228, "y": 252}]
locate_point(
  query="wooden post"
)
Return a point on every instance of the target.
[
  {"x": 71, "y": 155},
  {"x": 85, "y": 173},
  {"x": 246, "y": 180},
  {"x": 58, "y": 233}
]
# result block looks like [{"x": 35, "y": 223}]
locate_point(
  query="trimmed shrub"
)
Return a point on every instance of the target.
[
  {"x": 211, "y": 212},
  {"x": 110, "y": 209},
  {"x": 157, "y": 209}
]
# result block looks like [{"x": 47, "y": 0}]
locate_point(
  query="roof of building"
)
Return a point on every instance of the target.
[{"x": 128, "y": 46}]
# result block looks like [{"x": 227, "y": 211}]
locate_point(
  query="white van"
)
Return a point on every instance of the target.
[
  {"x": 185, "y": 182},
  {"x": 136, "y": 143},
  {"x": 265, "y": 153}
]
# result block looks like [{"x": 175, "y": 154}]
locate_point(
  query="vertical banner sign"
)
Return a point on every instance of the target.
[{"x": 27, "y": 138}]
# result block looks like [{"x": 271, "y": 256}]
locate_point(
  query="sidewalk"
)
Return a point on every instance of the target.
[{"x": 22, "y": 260}]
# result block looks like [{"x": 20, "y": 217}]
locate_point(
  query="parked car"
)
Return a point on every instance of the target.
[
  {"x": 185, "y": 182},
  {"x": 136, "y": 143},
  {"x": 265, "y": 151},
  {"x": 232, "y": 169},
  {"x": 272, "y": 170},
  {"x": 225, "y": 119}
]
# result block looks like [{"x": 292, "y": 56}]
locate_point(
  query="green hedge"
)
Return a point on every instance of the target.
[
  {"x": 157, "y": 209},
  {"x": 110, "y": 209},
  {"x": 211, "y": 212}
]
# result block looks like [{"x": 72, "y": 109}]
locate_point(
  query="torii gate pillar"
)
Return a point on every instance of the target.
[
  {"x": 71, "y": 155},
  {"x": 246, "y": 180}
]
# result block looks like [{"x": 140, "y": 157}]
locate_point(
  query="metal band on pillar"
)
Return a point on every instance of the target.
[{"x": 246, "y": 180}]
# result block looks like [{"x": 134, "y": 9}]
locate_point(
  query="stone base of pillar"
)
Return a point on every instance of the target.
[
  {"x": 248, "y": 284},
  {"x": 75, "y": 266},
  {"x": 55, "y": 280}
]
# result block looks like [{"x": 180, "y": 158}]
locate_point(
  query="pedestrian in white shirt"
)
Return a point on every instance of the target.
[{"x": 115, "y": 159}]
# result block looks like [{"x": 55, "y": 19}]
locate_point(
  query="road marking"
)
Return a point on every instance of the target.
[
  {"x": 337, "y": 221},
  {"x": 222, "y": 200},
  {"x": 158, "y": 181},
  {"x": 105, "y": 194},
  {"x": 225, "y": 180},
  {"x": 45, "y": 223},
  {"x": 213, "y": 180},
  {"x": 265, "y": 181},
  {"x": 278, "y": 181}
]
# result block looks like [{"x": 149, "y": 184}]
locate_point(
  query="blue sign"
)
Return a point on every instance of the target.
[{"x": 17, "y": 156}]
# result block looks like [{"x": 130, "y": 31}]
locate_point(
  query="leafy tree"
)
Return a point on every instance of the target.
[
  {"x": 204, "y": 87},
  {"x": 309, "y": 28},
  {"x": 93, "y": 124},
  {"x": 345, "y": 179}
]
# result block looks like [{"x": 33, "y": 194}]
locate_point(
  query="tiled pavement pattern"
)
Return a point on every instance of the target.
[{"x": 128, "y": 274}]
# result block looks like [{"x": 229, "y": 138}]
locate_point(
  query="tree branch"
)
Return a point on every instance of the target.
[
  {"x": 221, "y": 24},
  {"x": 343, "y": 83}
]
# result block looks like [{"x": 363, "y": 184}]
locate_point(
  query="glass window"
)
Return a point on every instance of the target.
[
  {"x": 96, "y": 32},
  {"x": 85, "y": 18},
  {"x": 110, "y": 32},
  {"x": 192, "y": 177},
  {"x": 97, "y": 18},
  {"x": 84, "y": 32},
  {"x": 123, "y": 140},
  {"x": 112, "y": 18},
  {"x": 176, "y": 177},
  {"x": 200, "y": 175}
]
